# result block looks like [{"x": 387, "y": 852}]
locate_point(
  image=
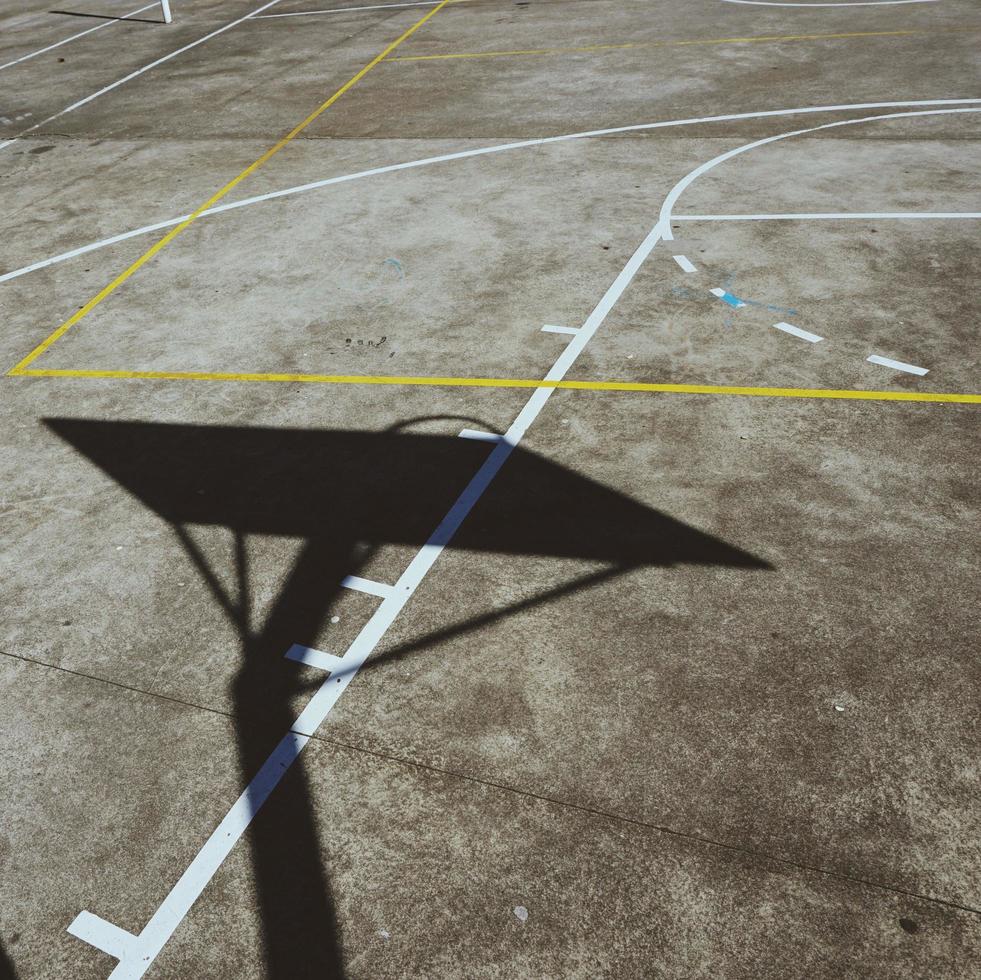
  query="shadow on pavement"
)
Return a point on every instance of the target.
[{"x": 345, "y": 494}]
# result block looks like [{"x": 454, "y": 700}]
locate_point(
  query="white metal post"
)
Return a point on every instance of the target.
[{"x": 165, "y": 7}]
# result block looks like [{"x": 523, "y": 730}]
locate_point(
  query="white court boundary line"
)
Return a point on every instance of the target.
[
  {"x": 347, "y": 10},
  {"x": 136, "y": 953},
  {"x": 845, "y": 3},
  {"x": 137, "y": 73},
  {"x": 484, "y": 151},
  {"x": 75, "y": 37}
]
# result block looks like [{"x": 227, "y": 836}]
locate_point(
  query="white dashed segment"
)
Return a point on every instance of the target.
[
  {"x": 734, "y": 301},
  {"x": 314, "y": 658},
  {"x": 367, "y": 585},
  {"x": 500, "y": 148},
  {"x": 75, "y": 37},
  {"x": 478, "y": 436},
  {"x": 552, "y": 328},
  {"x": 684, "y": 263},
  {"x": 812, "y": 338},
  {"x": 136, "y": 953},
  {"x": 897, "y": 365},
  {"x": 136, "y": 74}
]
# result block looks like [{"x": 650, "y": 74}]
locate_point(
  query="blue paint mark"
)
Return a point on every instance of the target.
[
  {"x": 731, "y": 300},
  {"x": 396, "y": 265}
]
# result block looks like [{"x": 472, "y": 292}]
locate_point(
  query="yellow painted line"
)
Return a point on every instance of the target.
[
  {"x": 659, "y": 44},
  {"x": 217, "y": 196},
  {"x": 358, "y": 379}
]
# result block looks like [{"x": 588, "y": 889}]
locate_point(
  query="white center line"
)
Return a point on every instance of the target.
[
  {"x": 684, "y": 262},
  {"x": 897, "y": 365},
  {"x": 344, "y": 10},
  {"x": 797, "y": 332}
]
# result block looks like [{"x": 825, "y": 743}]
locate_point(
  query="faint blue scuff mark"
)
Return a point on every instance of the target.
[{"x": 396, "y": 265}]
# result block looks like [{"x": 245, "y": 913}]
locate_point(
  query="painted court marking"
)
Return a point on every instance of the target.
[
  {"x": 312, "y": 658},
  {"x": 684, "y": 263},
  {"x": 727, "y": 297},
  {"x": 347, "y": 10},
  {"x": 693, "y": 42},
  {"x": 897, "y": 365},
  {"x": 812, "y": 338},
  {"x": 83, "y": 311},
  {"x": 135, "y": 74},
  {"x": 553, "y": 328},
  {"x": 75, "y": 37},
  {"x": 366, "y": 585},
  {"x": 136, "y": 953},
  {"x": 843, "y": 3},
  {"x": 522, "y": 144}
]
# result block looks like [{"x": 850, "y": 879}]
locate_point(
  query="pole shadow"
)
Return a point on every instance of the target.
[{"x": 346, "y": 494}]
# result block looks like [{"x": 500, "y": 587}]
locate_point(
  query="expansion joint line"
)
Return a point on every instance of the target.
[{"x": 158, "y": 246}]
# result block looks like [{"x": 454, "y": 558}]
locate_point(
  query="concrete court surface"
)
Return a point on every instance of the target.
[{"x": 664, "y": 683}]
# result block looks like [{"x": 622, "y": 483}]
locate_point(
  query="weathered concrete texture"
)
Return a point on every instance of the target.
[
  {"x": 695, "y": 684},
  {"x": 426, "y": 870}
]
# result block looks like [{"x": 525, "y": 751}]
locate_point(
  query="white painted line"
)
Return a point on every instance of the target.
[
  {"x": 486, "y": 150},
  {"x": 812, "y": 338},
  {"x": 552, "y": 328},
  {"x": 897, "y": 365},
  {"x": 368, "y": 586},
  {"x": 137, "y": 73},
  {"x": 75, "y": 37},
  {"x": 834, "y": 216},
  {"x": 139, "y": 955},
  {"x": 684, "y": 262},
  {"x": 314, "y": 658},
  {"x": 344, "y": 10},
  {"x": 479, "y": 436},
  {"x": 102, "y": 935},
  {"x": 844, "y": 3},
  {"x": 667, "y": 208}
]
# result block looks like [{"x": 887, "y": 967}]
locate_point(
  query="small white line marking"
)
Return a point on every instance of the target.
[
  {"x": 684, "y": 262},
  {"x": 479, "y": 436},
  {"x": 102, "y": 935},
  {"x": 367, "y": 585},
  {"x": 314, "y": 658},
  {"x": 727, "y": 297},
  {"x": 896, "y": 365},
  {"x": 552, "y": 328},
  {"x": 91, "y": 30},
  {"x": 797, "y": 332}
]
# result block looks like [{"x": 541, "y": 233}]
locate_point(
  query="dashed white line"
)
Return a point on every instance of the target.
[
  {"x": 684, "y": 262},
  {"x": 897, "y": 365},
  {"x": 812, "y": 338},
  {"x": 553, "y": 328},
  {"x": 314, "y": 658},
  {"x": 367, "y": 585},
  {"x": 479, "y": 436}
]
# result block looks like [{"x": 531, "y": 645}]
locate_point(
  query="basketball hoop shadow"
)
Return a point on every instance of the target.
[{"x": 347, "y": 494}]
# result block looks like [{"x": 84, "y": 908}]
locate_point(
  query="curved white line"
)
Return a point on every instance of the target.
[
  {"x": 464, "y": 154},
  {"x": 672, "y": 198},
  {"x": 845, "y": 3},
  {"x": 75, "y": 37}
]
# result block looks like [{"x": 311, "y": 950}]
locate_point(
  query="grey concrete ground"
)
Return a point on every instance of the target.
[{"x": 692, "y": 691}]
